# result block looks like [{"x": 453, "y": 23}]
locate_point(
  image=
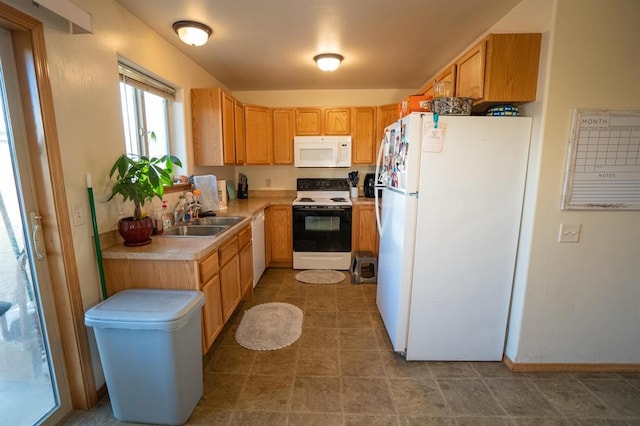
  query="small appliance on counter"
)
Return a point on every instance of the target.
[
  {"x": 369, "y": 185},
  {"x": 243, "y": 187}
]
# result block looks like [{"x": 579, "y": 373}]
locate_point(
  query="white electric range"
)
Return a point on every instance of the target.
[{"x": 322, "y": 216}]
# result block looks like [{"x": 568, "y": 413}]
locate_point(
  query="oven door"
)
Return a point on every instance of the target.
[{"x": 322, "y": 228}]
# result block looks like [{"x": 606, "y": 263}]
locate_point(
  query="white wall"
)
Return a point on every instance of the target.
[
  {"x": 580, "y": 303},
  {"x": 84, "y": 76}
]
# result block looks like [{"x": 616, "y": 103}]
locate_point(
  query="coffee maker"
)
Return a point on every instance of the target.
[{"x": 369, "y": 185}]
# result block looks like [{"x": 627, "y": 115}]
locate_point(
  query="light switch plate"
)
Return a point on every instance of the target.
[
  {"x": 78, "y": 214},
  {"x": 569, "y": 233}
]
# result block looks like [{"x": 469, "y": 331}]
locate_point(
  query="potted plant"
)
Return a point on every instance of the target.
[{"x": 140, "y": 179}]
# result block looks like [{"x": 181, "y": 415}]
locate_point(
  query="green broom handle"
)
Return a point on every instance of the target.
[{"x": 96, "y": 237}]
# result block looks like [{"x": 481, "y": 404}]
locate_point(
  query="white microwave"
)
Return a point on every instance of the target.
[{"x": 322, "y": 151}]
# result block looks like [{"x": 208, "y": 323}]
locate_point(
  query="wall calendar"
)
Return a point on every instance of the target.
[{"x": 603, "y": 163}]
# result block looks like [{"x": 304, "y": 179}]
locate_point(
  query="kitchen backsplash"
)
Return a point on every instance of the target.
[{"x": 284, "y": 177}]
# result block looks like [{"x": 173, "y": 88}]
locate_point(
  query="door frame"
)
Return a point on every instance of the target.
[{"x": 42, "y": 137}]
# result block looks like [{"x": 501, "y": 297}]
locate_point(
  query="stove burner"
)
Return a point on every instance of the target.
[
  {"x": 338, "y": 199},
  {"x": 306, "y": 200}
]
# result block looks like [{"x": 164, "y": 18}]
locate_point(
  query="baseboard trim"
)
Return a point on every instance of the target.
[
  {"x": 101, "y": 391},
  {"x": 557, "y": 367}
]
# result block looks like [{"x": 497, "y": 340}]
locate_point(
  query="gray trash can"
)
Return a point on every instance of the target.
[{"x": 150, "y": 346}]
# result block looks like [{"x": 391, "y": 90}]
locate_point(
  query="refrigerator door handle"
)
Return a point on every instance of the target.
[{"x": 377, "y": 183}]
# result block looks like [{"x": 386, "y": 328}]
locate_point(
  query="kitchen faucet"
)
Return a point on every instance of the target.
[
  {"x": 186, "y": 205},
  {"x": 179, "y": 211}
]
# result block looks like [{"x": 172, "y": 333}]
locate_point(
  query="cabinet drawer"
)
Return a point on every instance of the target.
[
  {"x": 208, "y": 267},
  {"x": 244, "y": 237},
  {"x": 228, "y": 250}
]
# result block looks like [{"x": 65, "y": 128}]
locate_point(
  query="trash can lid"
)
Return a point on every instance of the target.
[{"x": 145, "y": 309}]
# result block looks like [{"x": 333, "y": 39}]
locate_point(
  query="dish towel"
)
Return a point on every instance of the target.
[{"x": 208, "y": 186}]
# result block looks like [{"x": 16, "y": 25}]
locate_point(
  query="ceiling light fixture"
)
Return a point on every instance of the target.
[
  {"x": 192, "y": 33},
  {"x": 328, "y": 61}
]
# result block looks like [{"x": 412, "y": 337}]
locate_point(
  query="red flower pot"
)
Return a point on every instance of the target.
[{"x": 135, "y": 232}]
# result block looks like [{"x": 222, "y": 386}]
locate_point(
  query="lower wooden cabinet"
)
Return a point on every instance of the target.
[
  {"x": 224, "y": 275},
  {"x": 364, "y": 229},
  {"x": 246, "y": 263},
  {"x": 279, "y": 236},
  {"x": 229, "y": 277},
  {"x": 212, "y": 321}
]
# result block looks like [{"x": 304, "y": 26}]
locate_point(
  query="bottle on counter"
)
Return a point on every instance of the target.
[
  {"x": 157, "y": 217},
  {"x": 166, "y": 216},
  {"x": 196, "y": 203}
]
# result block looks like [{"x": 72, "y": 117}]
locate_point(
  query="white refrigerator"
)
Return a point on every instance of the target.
[{"x": 452, "y": 195}]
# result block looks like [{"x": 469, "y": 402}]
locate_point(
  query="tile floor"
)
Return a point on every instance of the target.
[{"x": 342, "y": 372}]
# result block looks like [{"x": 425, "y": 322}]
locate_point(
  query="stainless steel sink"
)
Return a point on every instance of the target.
[
  {"x": 217, "y": 220},
  {"x": 195, "y": 231}
]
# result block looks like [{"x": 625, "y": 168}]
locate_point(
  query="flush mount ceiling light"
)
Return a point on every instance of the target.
[
  {"x": 192, "y": 33},
  {"x": 328, "y": 61}
]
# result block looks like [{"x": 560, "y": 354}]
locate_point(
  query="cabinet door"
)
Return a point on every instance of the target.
[
  {"x": 364, "y": 144},
  {"x": 230, "y": 286},
  {"x": 238, "y": 116},
  {"x": 386, "y": 114},
  {"x": 258, "y": 135},
  {"x": 470, "y": 72},
  {"x": 228, "y": 129},
  {"x": 212, "y": 321},
  {"x": 283, "y": 131},
  {"x": 206, "y": 122},
  {"x": 246, "y": 270},
  {"x": 279, "y": 241},
  {"x": 511, "y": 69},
  {"x": 365, "y": 230},
  {"x": 308, "y": 121},
  {"x": 337, "y": 121}
]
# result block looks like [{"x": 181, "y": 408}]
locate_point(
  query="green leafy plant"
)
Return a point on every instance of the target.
[{"x": 142, "y": 178}]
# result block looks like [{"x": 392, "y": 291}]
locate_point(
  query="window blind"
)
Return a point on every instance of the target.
[{"x": 145, "y": 82}]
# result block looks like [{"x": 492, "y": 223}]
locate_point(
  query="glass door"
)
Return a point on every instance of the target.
[{"x": 32, "y": 382}]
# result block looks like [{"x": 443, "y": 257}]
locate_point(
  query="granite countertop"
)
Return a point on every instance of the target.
[{"x": 196, "y": 248}]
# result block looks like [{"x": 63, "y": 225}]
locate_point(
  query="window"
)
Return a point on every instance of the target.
[{"x": 145, "y": 112}]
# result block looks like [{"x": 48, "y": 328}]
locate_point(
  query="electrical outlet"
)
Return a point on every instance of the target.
[
  {"x": 268, "y": 182},
  {"x": 569, "y": 233}
]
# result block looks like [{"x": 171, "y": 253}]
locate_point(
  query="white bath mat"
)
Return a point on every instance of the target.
[
  {"x": 320, "y": 276},
  {"x": 270, "y": 326}
]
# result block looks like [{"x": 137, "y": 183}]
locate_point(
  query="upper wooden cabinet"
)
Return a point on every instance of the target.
[
  {"x": 308, "y": 121},
  {"x": 228, "y": 129},
  {"x": 363, "y": 134},
  {"x": 258, "y": 135},
  {"x": 337, "y": 121},
  {"x": 323, "y": 121},
  {"x": 447, "y": 75},
  {"x": 502, "y": 68},
  {"x": 213, "y": 126},
  {"x": 283, "y": 132},
  {"x": 241, "y": 152},
  {"x": 386, "y": 114}
]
